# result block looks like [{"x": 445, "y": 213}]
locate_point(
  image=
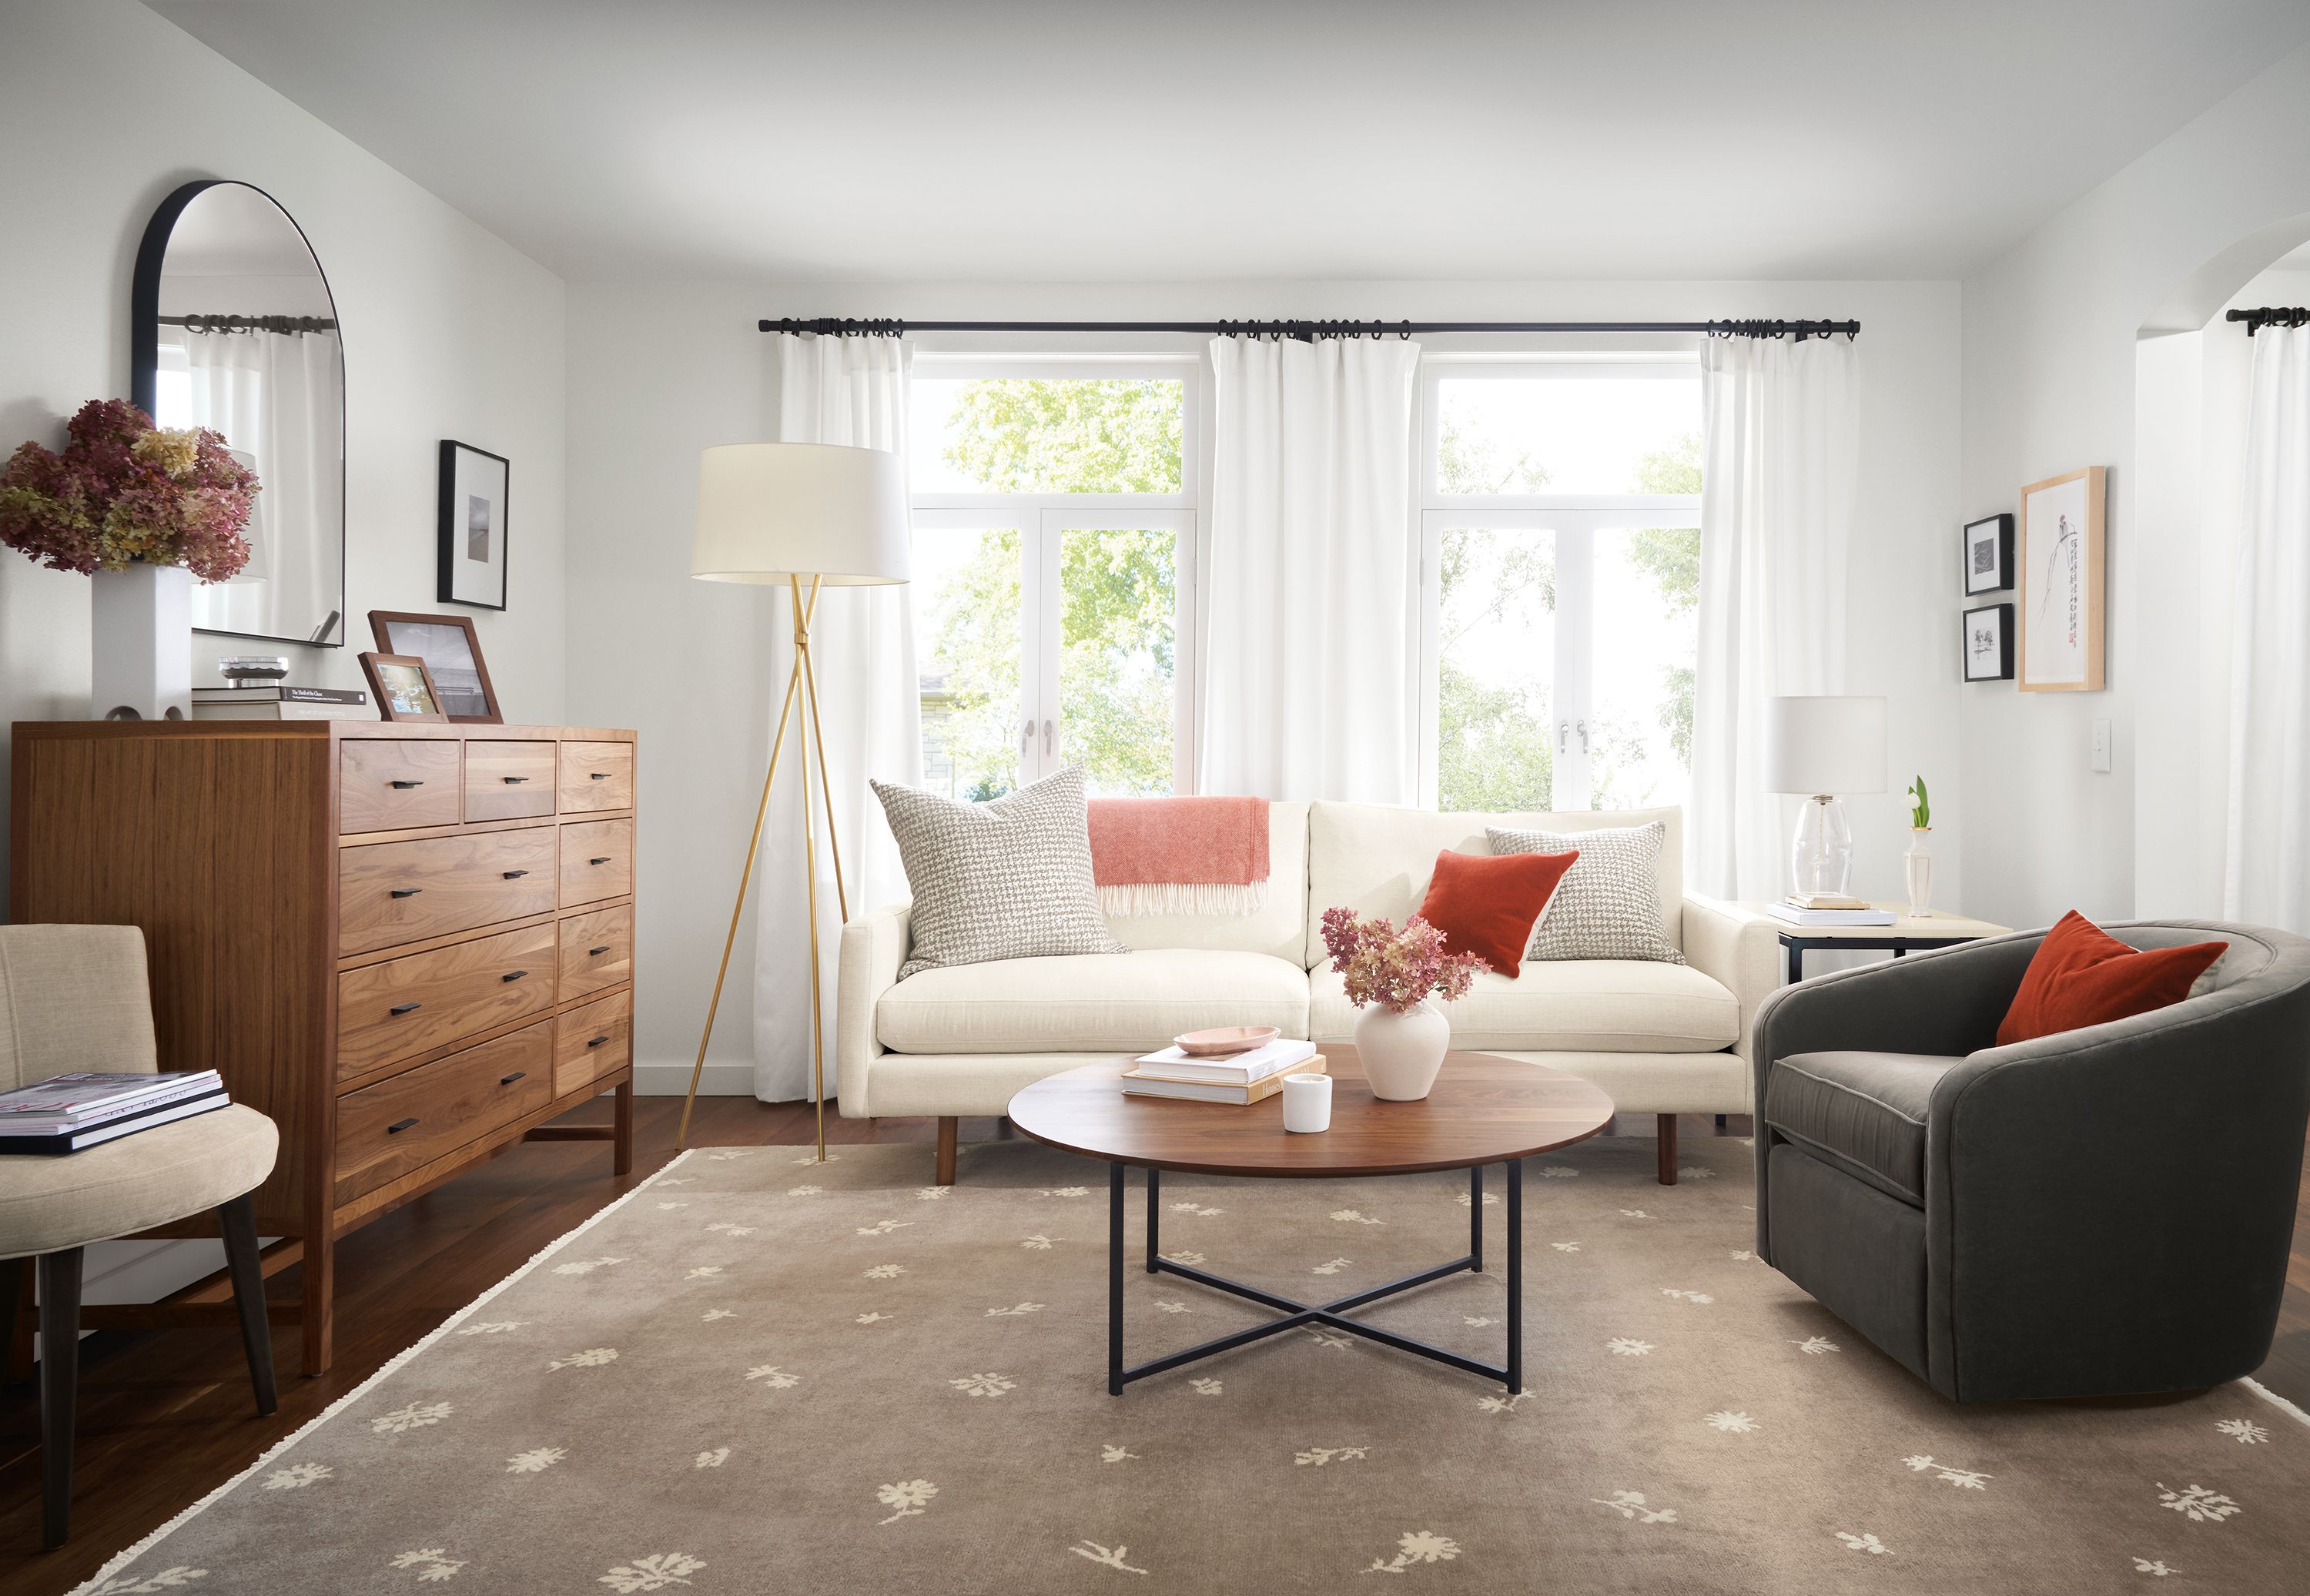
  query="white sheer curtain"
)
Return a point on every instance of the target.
[
  {"x": 1782, "y": 438},
  {"x": 2266, "y": 876},
  {"x": 1310, "y": 633},
  {"x": 274, "y": 398},
  {"x": 849, "y": 391}
]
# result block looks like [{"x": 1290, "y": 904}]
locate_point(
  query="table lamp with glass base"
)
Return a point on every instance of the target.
[{"x": 1822, "y": 748}]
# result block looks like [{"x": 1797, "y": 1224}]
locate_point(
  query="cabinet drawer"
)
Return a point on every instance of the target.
[
  {"x": 597, "y": 951},
  {"x": 597, "y": 861},
  {"x": 387, "y": 1129},
  {"x": 592, "y": 1042},
  {"x": 597, "y": 776},
  {"x": 390, "y": 784},
  {"x": 508, "y": 781},
  {"x": 395, "y": 892},
  {"x": 406, "y": 1006}
]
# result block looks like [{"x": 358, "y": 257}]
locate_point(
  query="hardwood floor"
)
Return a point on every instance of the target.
[{"x": 166, "y": 1416}]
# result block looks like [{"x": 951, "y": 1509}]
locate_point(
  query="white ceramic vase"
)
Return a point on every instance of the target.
[
  {"x": 1917, "y": 868},
  {"x": 141, "y": 637},
  {"x": 1402, "y": 1053}
]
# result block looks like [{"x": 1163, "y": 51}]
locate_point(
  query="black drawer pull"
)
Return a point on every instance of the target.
[
  {"x": 515, "y": 875},
  {"x": 597, "y": 1041},
  {"x": 407, "y": 891},
  {"x": 597, "y": 952},
  {"x": 604, "y": 859},
  {"x": 597, "y": 776},
  {"x": 513, "y": 781},
  {"x": 404, "y": 1008},
  {"x": 409, "y": 783},
  {"x": 513, "y": 974},
  {"x": 510, "y": 1080},
  {"x": 399, "y": 1125}
]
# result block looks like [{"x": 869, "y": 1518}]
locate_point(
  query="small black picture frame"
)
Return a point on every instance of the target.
[
  {"x": 1985, "y": 644},
  {"x": 474, "y": 489},
  {"x": 1988, "y": 548}
]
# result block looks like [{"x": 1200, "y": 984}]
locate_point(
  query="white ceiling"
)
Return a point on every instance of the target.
[{"x": 1067, "y": 140}]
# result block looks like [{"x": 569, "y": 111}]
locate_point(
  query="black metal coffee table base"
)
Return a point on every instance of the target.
[{"x": 1332, "y": 1313}]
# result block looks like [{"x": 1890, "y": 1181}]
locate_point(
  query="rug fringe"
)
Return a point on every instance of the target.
[
  {"x": 1133, "y": 900},
  {"x": 119, "y": 1562}
]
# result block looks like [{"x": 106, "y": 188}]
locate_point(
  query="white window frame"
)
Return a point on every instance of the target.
[
  {"x": 1042, "y": 521},
  {"x": 1576, "y": 519}
]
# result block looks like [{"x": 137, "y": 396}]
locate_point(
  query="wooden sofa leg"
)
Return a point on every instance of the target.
[
  {"x": 949, "y": 1125},
  {"x": 1667, "y": 1122}
]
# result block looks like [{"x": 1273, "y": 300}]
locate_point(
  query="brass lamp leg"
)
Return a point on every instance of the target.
[
  {"x": 745, "y": 877},
  {"x": 825, "y": 787},
  {"x": 810, "y": 880}
]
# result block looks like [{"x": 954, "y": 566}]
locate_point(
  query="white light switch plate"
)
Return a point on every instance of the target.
[{"x": 2101, "y": 746}]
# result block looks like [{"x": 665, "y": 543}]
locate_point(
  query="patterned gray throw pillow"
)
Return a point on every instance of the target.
[
  {"x": 1608, "y": 905},
  {"x": 1009, "y": 878}
]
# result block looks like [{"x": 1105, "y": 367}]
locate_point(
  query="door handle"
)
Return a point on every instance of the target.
[
  {"x": 510, "y": 1080},
  {"x": 1563, "y": 736},
  {"x": 513, "y": 974},
  {"x": 604, "y": 859},
  {"x": 597, "y": 1041},
  {"x": 597, "y": 952},
  {"x": 399, "y": 1125},
  {"x": 1049, "y": 736},
  {"x": 404, "y": 1008},
  {"x": 597, "y": 776},
  {"x": 515, "y": 875},
  {"x": 513, "y": 781},
  {"x": 1583, "y": 728},
  {"x": 408, "y": 784},
  {"x": 406, "y": 891},
  {"x": 1026, "y": 738}
]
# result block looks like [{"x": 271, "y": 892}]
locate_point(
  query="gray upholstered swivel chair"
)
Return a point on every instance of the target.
[
  {"x": 76, "y": 997},
  {"x": 2102, "y": 1211}
]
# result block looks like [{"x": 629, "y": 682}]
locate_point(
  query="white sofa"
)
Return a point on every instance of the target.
[{"x": 1662, "y": 1038}]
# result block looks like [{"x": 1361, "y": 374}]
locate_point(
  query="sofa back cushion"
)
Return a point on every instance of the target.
[
  {"x": 1376, "y": 860},
  {"x": 1279, "y": 929}
]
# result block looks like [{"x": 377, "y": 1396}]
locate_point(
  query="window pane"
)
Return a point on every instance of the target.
[
  {"x": 967, "y": 651},
  {"x": 1497, "y": 639},
  {"x": 1571, "y": 434},
  {"x": 1646, "y": 632},
  {"x": 1118, "y": 597},
  {"x": 1045, "y": 435}
]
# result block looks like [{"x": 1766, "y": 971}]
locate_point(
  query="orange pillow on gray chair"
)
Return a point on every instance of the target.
[{"x": 2082, "y": 976}]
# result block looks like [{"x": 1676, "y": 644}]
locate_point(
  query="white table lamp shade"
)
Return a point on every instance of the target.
[
  {"x": 1825, "y": 745},
  {"x": 770, "y": 512}
]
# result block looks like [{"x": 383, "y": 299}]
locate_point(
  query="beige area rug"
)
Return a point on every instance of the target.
[{"x": 759, "y": 1375}]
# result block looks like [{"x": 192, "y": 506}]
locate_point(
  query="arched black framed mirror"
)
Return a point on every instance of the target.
[{"x": 232, "y": 327}]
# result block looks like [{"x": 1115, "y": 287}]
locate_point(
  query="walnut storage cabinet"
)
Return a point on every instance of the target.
[{"x": 410, "y": 944}]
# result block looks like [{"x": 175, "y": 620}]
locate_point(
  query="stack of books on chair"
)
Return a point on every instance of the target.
[
  {"x": 1239, "y": 1077},
  {"x": 67, "y": 1113}
]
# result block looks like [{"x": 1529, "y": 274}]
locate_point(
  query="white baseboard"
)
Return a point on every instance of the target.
[{"x": 671, "y": 1080}]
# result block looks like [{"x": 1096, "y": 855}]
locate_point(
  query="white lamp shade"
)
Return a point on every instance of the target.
[
  {"x": 1825, "y": 745},
  {"x": 771, "y": 512}
]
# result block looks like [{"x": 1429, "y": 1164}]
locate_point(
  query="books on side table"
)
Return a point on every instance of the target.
[
  {"x": 67, "y": 1113},
  {"x": 1240, "y": 1078},
  {"x": 1850, "y": 912}
]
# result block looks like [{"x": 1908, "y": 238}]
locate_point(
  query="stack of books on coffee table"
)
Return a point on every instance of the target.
[
  {"x": 67, "y": 1113},
  {"x": 1240, "y": 1078}
]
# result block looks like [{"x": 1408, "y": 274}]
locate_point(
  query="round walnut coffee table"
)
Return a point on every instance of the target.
[{"x": 1482, "y": 1110}]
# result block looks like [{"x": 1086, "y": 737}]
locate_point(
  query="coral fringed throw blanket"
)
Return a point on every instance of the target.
[{"x": 1179, "y": 855}]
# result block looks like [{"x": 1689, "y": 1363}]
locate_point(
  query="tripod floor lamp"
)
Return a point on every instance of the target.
[{"x": 800, "y": 516}]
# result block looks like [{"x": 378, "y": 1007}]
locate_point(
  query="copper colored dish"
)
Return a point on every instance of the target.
[{"x": 1225, "y": 1040}]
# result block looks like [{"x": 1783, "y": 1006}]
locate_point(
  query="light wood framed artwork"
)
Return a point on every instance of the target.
[{"x": 2063, "y": 571}]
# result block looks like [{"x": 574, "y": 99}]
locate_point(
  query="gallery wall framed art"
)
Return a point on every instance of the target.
[
  {"x": 1988, "y": 554},
  {"x": 1988, "y": 645},
  {"x": 473, "y": 517},
  {"x": 2061, "y": 559}
]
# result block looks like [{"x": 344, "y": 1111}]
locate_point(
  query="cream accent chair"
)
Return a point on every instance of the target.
[
  {"x": 76, "y": 997},
  {"x": 1661, "y": 1038}
]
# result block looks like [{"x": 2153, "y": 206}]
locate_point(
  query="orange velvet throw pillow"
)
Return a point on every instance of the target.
[
  {"x": 1487, "y": 904},
  {"x": 2082, "y": 976}
]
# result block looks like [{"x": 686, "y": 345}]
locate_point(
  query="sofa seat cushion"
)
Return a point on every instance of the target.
[
  {"x": 1591, "y": 1005},
  {"x": 1110, "y": 1002},
  {"x": 1864, "y": 1112}
]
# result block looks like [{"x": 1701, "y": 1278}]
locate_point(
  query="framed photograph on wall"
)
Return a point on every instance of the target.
[
  {"x": 2061, "y": 558},
  {"x": 452, "y": 653},
  {"x": 472, "y": 549},
  {"x": 1988, "y": 646},
  {"x": 404, "y": 690},
  {"x": 1988, "y": 554}
]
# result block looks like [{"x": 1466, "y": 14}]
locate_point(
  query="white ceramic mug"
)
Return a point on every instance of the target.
[{"x": 1306, "y": 1102}]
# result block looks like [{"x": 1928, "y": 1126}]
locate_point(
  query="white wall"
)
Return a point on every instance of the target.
[
  {"x": 659, "y": 370},
  {"x": 448, "y": 332},
  {"x": 2049, "y": 385}
]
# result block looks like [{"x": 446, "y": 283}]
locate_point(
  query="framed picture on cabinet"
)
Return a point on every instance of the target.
[
  {"x": 404, "y": 690},
  {"x": 2060, "y": 557},
  {"x": 452, "y": 653},
  {"x": 1988, "y": 554},
  {"x": 472, "y": 534},
  {"x": 1988, "y": 646}
]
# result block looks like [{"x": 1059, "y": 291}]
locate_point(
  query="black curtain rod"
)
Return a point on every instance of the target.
[
  {"x": 1306, "y": 330},
  {"x": 2255, "y": 320}
]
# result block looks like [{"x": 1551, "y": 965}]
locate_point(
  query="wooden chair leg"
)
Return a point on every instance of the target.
[
  {"x": 60, "y": 1274},
  {"x": 949, "y": 1126},
  {"x": 239, "y": 1220},
  {"x": 622, "y": 1139},
  {"x": 16, "y": 1313},
  {"x": 1667, "y": 1123}
]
